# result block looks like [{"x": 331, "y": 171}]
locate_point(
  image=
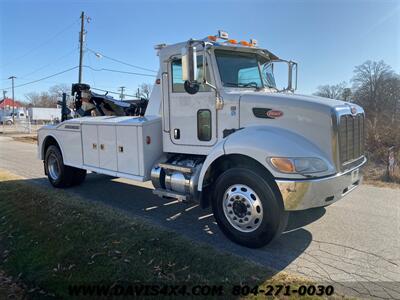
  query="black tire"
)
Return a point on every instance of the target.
[
  {"x": 79, "y": 176},
  {"x": 271, "y": 212},
  {"x": 63, "y": 176},
  {"x": 9, "y": 122}
]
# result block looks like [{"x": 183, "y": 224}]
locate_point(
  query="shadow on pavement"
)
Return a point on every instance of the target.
[{"x": 194, "y": 222}]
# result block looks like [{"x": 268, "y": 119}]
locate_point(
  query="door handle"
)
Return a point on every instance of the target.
[
  {"x": 177, "y": 133},
  {"x": 94, "y": 146},
  {"x": 121, "y": 149},
  {"x": 102, "y": 146}
]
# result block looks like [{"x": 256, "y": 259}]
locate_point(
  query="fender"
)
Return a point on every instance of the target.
[
  {"x": 47, "y": 135},
  {"x": 261, "y": 142},
  {"x": 216, "y": 151}
]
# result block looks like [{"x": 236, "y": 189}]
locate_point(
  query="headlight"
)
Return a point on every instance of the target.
[{"x": 298, "y": 165}]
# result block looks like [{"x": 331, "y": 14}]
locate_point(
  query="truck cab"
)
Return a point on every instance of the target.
[{"x": 218, "y": 130}]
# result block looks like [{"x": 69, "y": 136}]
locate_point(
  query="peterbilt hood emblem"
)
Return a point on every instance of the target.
[
  {"x": 267, "y": 113},
  {"x": 274, "y": 113},
  {"x": 353, "y": 110}
]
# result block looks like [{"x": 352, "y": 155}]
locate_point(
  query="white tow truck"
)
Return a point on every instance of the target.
[{"x": 217, "y": 130}]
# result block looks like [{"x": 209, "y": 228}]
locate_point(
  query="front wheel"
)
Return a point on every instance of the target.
[{"x": 247, "y": 209}]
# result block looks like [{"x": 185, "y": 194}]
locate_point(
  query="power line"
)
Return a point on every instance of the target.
[
  {"x": 42, "y": 44},
  {"x": 119, "y": 71},
  {"x": 101, "y": 90},
  {"x": 49, "y": 64},
  {"x": 91, "y": 71},
  {"x": 44, "y": 78},
  {"x": 73, "y": 68},
  {"x": 99, "y": 54}
]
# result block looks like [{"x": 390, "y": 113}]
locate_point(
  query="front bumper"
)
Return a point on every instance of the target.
[{"x": 309, "y": 193}]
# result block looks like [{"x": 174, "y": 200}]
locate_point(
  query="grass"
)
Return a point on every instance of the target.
[
  {"x": 375, "y": 174},
  {"x": 49, "y": 240}
]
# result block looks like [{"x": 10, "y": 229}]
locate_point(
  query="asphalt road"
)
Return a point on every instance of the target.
[{"x": 353, "y": 244}]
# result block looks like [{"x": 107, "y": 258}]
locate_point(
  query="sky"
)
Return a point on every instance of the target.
[{"x": 327, "y": 38}]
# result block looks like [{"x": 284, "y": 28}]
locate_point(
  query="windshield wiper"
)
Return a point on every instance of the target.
[
  {"x": 253, "y": 84},
  {"x": 249, "y": 84}
]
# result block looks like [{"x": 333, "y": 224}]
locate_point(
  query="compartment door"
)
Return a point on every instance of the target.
[
  {"x": 128, "y": 149},
  {"x": 90, "y": 145},
  {"x": 107, "y": 147}
]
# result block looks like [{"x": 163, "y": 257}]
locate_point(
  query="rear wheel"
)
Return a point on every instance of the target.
[
  {"x": 59, "y": 174},
  {"x": 247, "y": 209},
  {"x": 9, "y": 122}
]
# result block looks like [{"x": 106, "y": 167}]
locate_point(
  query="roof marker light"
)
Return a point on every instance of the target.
[
  {"x": 223, "y": 34},
  {"x": 159, "y": 46},
  {"x": 212, "y": 38},
  {"x": 232, "y": 41},
  {"x": 253, "y": 42},
  {"x": 244, "y": 43}
]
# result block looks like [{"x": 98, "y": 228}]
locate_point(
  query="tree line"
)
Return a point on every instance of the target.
[
  {"x": 54, "y": 94},
  {"x": 376, "y": 87}
]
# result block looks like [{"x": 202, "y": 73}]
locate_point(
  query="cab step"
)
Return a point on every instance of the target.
[{"x": 171, "y": 194}]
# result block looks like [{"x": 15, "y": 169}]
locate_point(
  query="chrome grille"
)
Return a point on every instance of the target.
[{"x": 351, "y": 138}]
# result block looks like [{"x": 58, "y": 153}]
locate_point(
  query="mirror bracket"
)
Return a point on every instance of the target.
[{"x": 219, "y": 102}]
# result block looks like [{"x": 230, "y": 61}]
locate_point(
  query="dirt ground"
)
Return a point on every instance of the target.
[{"x": 32, "y": 139}]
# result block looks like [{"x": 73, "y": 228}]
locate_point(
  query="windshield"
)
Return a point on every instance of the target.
[{"x": 243, "y": 69}]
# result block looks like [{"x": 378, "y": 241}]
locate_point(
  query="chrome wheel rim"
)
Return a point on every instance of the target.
[
  {"x": 53, "y": 167},
  {"x": 242, "y": 208}
]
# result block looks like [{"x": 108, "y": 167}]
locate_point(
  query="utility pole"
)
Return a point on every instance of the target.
[
  {"x": 81, "y": 45},
  {"x": 138, "y": 93},
  {"x": 122, "y": 96},
  {"x": 13, "y": 101},
  {"x": 4, "y": 94}
]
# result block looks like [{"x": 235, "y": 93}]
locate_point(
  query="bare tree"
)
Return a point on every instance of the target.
[
  {"x": 145, "y": 90},
  {"x": 377, "y": 89},
  {"x": 43, "y": 99},
  {"x": 47, "y": 99},
  {"x": 59, "y": 89},
  {"x": 375, "y": 86},
  {"x": 346, "y": 94},
  {"x": 336, "y": 91}
]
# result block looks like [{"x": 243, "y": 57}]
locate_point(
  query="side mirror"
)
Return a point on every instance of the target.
[
  {"x": 189, "y": 69},
  {"x": 292, "y": 84},
  {"x": 295, "y": 73},
  {"x": 189, "y": 64}
]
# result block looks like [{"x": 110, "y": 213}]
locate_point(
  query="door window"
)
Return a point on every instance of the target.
[
  {"x": 177, "y": 82},
  {"x": 204, "y": 125}
]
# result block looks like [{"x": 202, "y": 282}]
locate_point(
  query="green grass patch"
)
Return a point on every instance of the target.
[{"x": 51, "y": 239}]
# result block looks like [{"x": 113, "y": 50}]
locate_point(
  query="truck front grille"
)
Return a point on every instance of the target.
[{"x": 351, "y": 138}]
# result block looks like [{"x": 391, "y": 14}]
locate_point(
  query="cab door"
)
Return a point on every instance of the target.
[{"x": 192, "y": 117}]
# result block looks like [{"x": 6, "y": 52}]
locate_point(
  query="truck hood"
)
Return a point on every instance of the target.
[
  {"x": 310, "y": 117},
  {"x": 284, "y": 99}
]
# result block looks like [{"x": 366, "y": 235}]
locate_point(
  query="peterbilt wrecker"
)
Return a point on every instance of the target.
[{"x": 217, "y": 130}]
